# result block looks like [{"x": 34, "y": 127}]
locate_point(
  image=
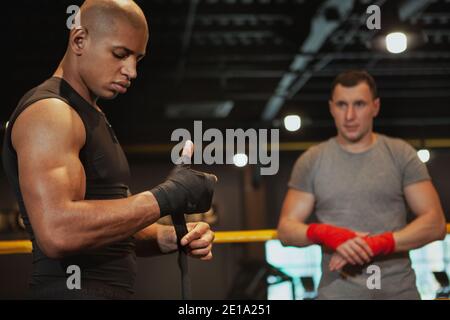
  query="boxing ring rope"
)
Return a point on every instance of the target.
[{"x": 24, "y": 246}]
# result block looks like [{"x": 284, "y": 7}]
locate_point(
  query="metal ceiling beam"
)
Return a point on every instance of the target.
[
  {"x": 391, "y": 71},
  {"x": 321, "y": 28},
  {"x": 412, "y": 7},
  {"x": 407, "y": 9},
  {"x": 266, "y": 57},
  {"x": 204, "y": 73}
]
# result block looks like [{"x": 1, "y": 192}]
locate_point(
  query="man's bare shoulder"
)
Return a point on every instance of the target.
[{"x": 46, "y": 121}]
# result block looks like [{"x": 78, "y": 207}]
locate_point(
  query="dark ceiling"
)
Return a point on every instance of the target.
[{"x": 247, "y": 63}]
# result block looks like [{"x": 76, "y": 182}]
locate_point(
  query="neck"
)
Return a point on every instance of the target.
[
  {"x": 67, "y": 71},
  {"x": 361, "y": 145}
]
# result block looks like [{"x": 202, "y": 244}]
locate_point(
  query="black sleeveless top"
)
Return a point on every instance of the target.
[{"x": 107, "y": 177}]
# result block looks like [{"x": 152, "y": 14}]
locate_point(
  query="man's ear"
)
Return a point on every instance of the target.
[
  {"x": 376, "y": 104},
  {"x": 78, "y": 37},
  {"x": 330, "y": 106}
]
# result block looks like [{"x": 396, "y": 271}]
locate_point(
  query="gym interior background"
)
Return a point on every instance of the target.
[{"x": 243, "y": 64}]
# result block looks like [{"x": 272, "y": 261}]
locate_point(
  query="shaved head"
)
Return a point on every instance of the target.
[
  {"x": 101, "y": 17},
  {"x": 104, "y": 50}
]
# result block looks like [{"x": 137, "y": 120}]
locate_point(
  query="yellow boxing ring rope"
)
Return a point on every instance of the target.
[{"x": 24, "y": 246}]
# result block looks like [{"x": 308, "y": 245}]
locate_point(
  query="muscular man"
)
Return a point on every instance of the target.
[
  {"x": 359, "y": 184},
  {"x": 71, "y": 176}
]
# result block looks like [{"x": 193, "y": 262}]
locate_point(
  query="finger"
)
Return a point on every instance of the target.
[
  {"x": 341, "y": 264},
  {"x": 362, "y": 234},
  {"x": 337, "y": 262},
  {"x": 363, "y": 244},
  {"x": 346, "y": 254},
  {"x": 203, "y": 242},
  {"x": 191, "y": 225},
  {"x": 334, "y": 258},
  {"x": 201, "y": 226},
  {"x": 188, "y": 149},
  {"x": 212, "y": 177},
  {"x": 201, "y": 252},
  {"x": 209, "y": 256},
  {"x": 195, "y": 233},
  {"x": 338, "y": 265},
  {"x": 360, "y": 251},
  {"x": 342, "y": 251},
  {"x": 199, "y": 244},
  {"x": 186, "y": 154},
  {"x": 356, "y": 252},
  {"x": 332, "y": 264}
]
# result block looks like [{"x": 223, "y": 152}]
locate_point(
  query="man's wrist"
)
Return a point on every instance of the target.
[
  {"x": 161, "y": 199},
  {"x": 166, "y": 238},
  {"x": 328, "y": 235},
  {"x": 382, "y": 244}
]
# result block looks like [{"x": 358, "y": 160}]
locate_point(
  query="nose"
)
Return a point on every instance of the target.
[
  {"x": 129, "y": 69},
  {"x": 349, "y": 113}
]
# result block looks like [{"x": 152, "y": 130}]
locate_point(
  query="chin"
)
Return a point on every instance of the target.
[
  {"x": 355, "y": 137},
  {"x": 108, "y": 95}
]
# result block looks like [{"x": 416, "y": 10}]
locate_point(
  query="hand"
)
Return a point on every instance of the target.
[
  {"x": 356, "y": 250},
  {"x": 199, "y": 240},
  {"x": 185, "y": 190},
  {"x": 337, "y": 262}
]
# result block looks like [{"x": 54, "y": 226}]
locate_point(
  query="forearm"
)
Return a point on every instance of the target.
[
  {"x": 293, "y": 233},
  {"x": 423, "y": 230},
  {"x": 89, "y": 224}
]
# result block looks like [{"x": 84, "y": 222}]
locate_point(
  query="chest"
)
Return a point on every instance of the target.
[
  {"x": 343, "y": 180},
  {"x": 102, "y": 156}
]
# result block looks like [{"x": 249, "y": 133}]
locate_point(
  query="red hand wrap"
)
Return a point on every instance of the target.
[
  {"x": 381, "y": 244},
  {"x": 328, "y": 235}
]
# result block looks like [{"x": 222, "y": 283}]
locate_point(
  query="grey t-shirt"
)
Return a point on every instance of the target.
[{"x": 363, "y": 192}]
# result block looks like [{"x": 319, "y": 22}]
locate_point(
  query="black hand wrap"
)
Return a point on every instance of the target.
[{"x": 185, "y": 191}]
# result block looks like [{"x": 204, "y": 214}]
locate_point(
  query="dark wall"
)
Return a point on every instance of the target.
[{"x": 439, "y": 168}]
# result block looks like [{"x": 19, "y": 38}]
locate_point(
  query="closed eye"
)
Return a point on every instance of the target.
[{"x": 120, "y": 56}]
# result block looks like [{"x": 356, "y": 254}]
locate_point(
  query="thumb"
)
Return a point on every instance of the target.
[
  {"x": 212, "y": 178},
  {"x": 186, "y": 154},
  {"x": 188, "y": 149},
  {"x": 362, "y": 234}
]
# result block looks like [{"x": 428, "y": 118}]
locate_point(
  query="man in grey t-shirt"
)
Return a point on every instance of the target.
[{"x": 359, "y": 184}]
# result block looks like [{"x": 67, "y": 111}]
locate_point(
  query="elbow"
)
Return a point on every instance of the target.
[
  {"x": 442, "y": 230},
  {"x": 52, "y": 246},
  {"x": 57, "y": 238},
  {"x": 55, "y": 244},
  {"x": 439, "y": 229},
  {"x": 282, "y": 236}
]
